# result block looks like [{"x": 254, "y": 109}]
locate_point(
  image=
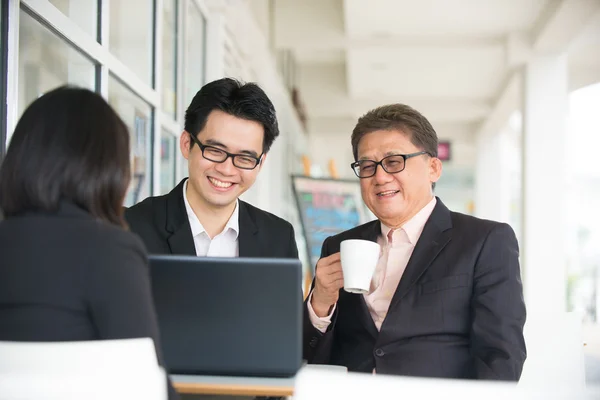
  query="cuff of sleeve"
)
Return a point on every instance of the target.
[{"x": 320, "y": 323}]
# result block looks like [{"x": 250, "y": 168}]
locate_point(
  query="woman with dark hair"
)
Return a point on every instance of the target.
[{"x": 69, "y": 269}]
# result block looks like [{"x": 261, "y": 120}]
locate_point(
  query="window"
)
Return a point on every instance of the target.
[
  {"x": 583, "y": 196},
  {"x": 84, "y": 13},
  {"x": 168, "y": 155},
  {"x": 132, "y": 35},
  {"x": 169, "y": 60},
  {"x": 46, "y": 62},
  {"x": 137, "y": 115},
  {"x": 59, "y": 42},
  {"x": 194, "y": 50}
]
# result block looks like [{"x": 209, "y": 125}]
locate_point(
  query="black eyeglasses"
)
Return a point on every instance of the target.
[
  {"x": 390, "y": 164},
  {"x": 215, "y": 154}
]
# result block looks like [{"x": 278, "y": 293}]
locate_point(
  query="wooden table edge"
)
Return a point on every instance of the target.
[{"x": 235, "y": 390}]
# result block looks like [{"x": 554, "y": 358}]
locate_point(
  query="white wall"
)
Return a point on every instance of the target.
[{"x": 249, "y": 57}]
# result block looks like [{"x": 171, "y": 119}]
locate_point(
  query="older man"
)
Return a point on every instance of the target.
[{"x": 446, "y": 299}]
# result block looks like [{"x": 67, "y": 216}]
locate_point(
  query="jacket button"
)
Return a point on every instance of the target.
[
  {"x": 313, "y": 342},
  {"x": 379, "y": 353}
]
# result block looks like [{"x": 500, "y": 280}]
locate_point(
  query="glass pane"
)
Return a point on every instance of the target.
[
  {"x": 46, "y": 62},
  {"x": 183, "y": 168},
  {"x": 131, "y": 33},
  {"x": 83, "y": 12},
  {"x": 137, "y": 114},
  {"x": 169, "y": 62},
  {"x": 168, "y": 146},
  {"x": 194, "y": 51}
]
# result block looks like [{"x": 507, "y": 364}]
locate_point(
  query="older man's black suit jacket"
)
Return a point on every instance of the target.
[
  {"x": 458, "y": 311},
  {"x": 162, "y": 223}
]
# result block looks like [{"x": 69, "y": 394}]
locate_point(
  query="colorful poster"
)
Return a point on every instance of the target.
[{"x": 327, "y": 207}]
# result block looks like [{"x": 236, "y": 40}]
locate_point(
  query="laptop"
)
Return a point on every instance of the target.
[{"x": 229, "y": 316}]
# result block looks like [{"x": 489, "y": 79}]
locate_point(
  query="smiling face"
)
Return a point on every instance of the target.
[
  {"x": 396, "y": 198},
  {"x": 214, "y": 185}
]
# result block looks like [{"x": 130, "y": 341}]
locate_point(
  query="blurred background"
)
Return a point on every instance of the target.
[{"x": 512, "y": 88}]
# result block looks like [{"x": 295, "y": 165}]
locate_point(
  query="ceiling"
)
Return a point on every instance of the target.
[{"x": 453, "y": 60}]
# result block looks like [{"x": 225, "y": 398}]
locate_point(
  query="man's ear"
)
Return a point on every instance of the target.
[
  {"x": 184, "y": 144},
  {"x": 435, "y": 169},
  {"x": 262, "y": 161}
]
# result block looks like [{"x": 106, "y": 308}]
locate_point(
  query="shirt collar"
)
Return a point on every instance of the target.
[
  {"x": 234, "y": 221},
  {"x": 195, "y": 225},
  {"x": 414, "y": 226}
]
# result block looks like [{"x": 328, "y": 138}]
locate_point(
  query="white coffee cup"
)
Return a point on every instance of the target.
[{"x": 359, "y": 260}]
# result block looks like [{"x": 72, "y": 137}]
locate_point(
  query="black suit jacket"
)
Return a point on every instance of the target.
[
  {"x": 66, "y": 276},
  {"x": 162, "y": 223},
  {"x": 458, "y": 311}
]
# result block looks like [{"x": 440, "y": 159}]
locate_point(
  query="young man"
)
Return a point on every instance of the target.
[
  {"x": 229, "y": 129},
  {"x": 446, "y": 299}
]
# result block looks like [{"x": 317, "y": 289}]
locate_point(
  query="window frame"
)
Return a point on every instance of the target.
[{"x": 96, "y": 48}]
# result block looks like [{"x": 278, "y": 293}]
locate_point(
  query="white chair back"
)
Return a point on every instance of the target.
[{"x": 101, "y": 369}]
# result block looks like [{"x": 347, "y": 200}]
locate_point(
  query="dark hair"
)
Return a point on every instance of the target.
[
  {"x": 68, "y": 145},
  {"x": 242, "y": 100},
  {"x": 397, "y": 117}
]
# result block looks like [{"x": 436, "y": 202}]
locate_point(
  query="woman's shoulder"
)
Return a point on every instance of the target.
[
  {"x": 82, "y": 233},
  {"x": 113, "y": 236}
]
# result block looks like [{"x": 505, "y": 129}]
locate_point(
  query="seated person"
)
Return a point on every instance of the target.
[
  {"x": 70, "y": 270},
  {"x": 229, "y": 129},
  {"x": 446, "y": 299}
]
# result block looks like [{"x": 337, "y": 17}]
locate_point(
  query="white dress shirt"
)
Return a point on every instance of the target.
[{"x": 225, "y": 244}]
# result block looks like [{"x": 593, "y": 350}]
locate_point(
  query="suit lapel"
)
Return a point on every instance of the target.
[
  {"x": 177, "y": 223},
  {"x": 435, "y": 236},
  {"x": 182, "y": 242},
  {"x": 248, "y": 239}
]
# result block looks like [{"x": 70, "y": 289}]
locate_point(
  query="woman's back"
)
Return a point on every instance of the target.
[
  {"x": 69, "y": 270},
  {"x": 67, "y": 276}
]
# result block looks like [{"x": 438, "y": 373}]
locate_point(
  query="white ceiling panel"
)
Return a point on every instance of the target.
[
  {"x": 470, "y": 72},
  {"x": 440, "y": 17},
  {"x": 319, "y": 56},
  {"x": 308, "y": 22},
  {"x": 450, "y": 59},
  {"x": 322, "y": 80}
]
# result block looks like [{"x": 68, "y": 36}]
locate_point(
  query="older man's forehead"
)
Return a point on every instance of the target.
[{"x": 386, "y": 154}]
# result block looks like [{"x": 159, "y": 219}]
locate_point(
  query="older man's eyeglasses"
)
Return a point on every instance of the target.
[
  {"x": 215, "y": 154},
  {"x": 390, "y": 164}
]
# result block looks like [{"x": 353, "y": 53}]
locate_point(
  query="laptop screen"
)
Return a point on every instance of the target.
[{"x": 229, "y": 316}]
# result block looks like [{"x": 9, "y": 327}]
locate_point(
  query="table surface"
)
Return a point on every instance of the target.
[{"x": 233, "y": 385}]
